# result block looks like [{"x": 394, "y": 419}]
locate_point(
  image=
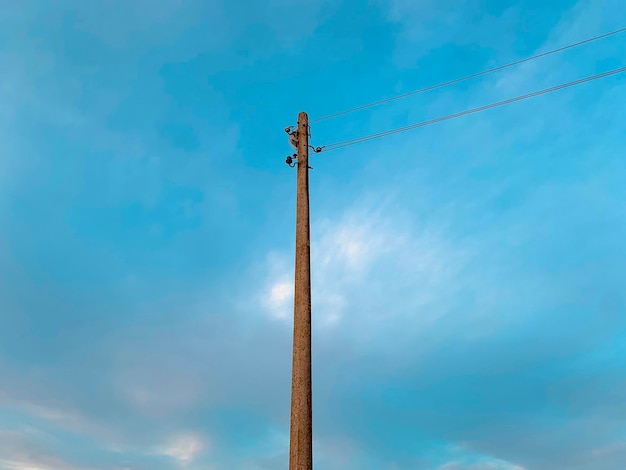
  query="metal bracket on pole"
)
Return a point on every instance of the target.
[{"x": 290, "y": 160}]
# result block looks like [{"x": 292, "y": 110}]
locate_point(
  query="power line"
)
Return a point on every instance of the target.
[
  {"x": 358, "y": 140},
  {"x": 468, "y": 77}
]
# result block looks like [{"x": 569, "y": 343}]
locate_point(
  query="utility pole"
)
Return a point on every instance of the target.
[{"x": 301, "y": 432}]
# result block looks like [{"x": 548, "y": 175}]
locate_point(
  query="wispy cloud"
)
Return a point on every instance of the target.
[{"x": 23, "y": 450}]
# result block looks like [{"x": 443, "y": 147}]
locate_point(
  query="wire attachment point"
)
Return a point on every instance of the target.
[{"x": 316, "y": 149}]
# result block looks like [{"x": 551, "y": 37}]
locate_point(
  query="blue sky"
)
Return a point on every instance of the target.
[{"x": 468, "y": 302}]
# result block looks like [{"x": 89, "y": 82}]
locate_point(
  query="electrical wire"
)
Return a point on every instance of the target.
[
  {"x": 358, "y": 140},
  {"x": 468, "y": 77}
]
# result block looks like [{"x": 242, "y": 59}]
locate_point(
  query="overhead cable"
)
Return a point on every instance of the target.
[
  {"x": 358, "y": 140},
  {"x": 468, "y": 77}
]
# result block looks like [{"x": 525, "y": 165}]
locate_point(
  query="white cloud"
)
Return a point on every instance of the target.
[
  {"x": 280, "y": 299},
  {"x": 277, "y": 292},
  {"x": 342, "y": 253},
  {"x": 372, "y": 263},
  {"x": 183, "y": 448}
]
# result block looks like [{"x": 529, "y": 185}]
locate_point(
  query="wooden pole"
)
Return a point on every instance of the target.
[{"x": 301, "y": 432}]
